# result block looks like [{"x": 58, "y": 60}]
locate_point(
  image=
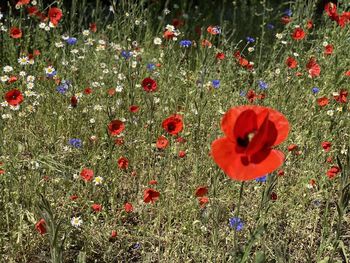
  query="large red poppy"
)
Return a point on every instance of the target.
[
  {"x": 55, "y": 15},
  {"x": 246, "y": 152},
  {"x": 14, "y": 97},
  {"x": 173, "y": 124},
  {"x": 115, "y": 127}
]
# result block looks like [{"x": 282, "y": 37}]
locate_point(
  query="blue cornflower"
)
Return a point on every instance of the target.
[
  {"x": 261, "y": 179},
  {"x": 236, "y": 223},
  {"x": 76, "y": 143},
  {"x": 126, "y": 54},
  {"x": 242, "y": 93},
  {"x": 62, "y": 89},
  {"x": 288, "y": 12},
  {"x": 185, "y": 43},
  {"x": 216, "y": 83},
  {"x": 250, "y": 39},
  {"x": 71, "y": 40},
  {"x": 151, "y": 66},
  {"x": 263, "y": 85},
  {"x": 270, "y": 26},
  {"x": 315, "y": 90},
  {"x": 51, "y": 74}
]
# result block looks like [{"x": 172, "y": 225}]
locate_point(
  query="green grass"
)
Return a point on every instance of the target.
[{"x": 41, "y": 169}]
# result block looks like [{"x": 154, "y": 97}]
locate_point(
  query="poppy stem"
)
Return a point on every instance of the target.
[{"x": 237, "y": 215}]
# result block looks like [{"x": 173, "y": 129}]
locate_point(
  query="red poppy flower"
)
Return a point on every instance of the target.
[
  {"x": 291, "y": 62},
  {"x": 96, "y": 207},
  {"x": 173, "y": 124},
  {"x": 128, "y": 207},
  {"x": 177, "y": 23},
  {"x": 342, "y": 97},
  {"x": 22, "y": 2},
  {"x": 115, "y": 127},
  {"x": 12, "y": 79},
  {"x": 15, "y": 32},
  {"x": 280, "y": 172},
  {"x": 119, "y": 141},
  {"x": 40, "y": 226},
  {"x": 162, "y": 142},
  {"x": 32, "y": 10},
  {"x": 203, "y": 201},
  {"x": 328, "y": 50},
  {"x": 201, "y": 191},
  {"x": 220, "y": 56},
  {"x": 286, "y": 20},
  {"x": 331, "y": 10},
  {"x": 87, "y": 174},
  {"x": 74, "y": 101},
  {"x": 114, "y": 234},
  {"x": 153, "y": 182},
  {"x": 73, "y": 197},
  {"x": 333, "y": 171},
  {"x": 150, "y": 195},
  {"x": 182, "y": 154},
  {"x": 329, "y": 159},
  {"x": 273, "y": 196},
  {"x": 347, "y": 73},
  {"x": 326, "y": 146},
  {"x": 134, "y": 108},
  {"x": 14, "y": 97},
  {"x": 87, "y": 90},
  {"x": 149, "y": 85},
  {"x": 322, "y": 101},
  {"x": 309, "y": 24},
  {"x": 93, "y": 27},
  {"x": 313, "y": 68},
  {"x": 246, "y": 153},
  {"x": 55, "y": 15},
  {"x": 298, "y": 34},
  {"x": 111, "y": 92},
  {"x": 123, "y": 163},
  {"x": 168, "y": 34}
]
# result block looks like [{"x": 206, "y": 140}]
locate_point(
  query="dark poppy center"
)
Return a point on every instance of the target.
[
  {"x": 244, "y": 142},
  {"x": 171, "y": 126}
]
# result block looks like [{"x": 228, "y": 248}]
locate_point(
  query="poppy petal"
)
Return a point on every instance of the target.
[{"x": 238, "y": 167}]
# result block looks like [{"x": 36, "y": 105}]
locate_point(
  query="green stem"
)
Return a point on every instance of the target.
[{"x": 236, "y": 215}]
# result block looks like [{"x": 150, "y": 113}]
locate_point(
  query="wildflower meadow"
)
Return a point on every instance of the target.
[{"x": 174, "y": 131}]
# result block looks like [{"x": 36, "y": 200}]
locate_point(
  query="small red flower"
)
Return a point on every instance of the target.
[
  {"x": 149, "y": 85},
  {"x": 291, "y": 62},
  {"x": 168, "y": 34},
  {"x": 246, "y": 152},
  {"x": 322, "y": 101},
  {"x": 298, "y": 34},
  {"x": 203, "y": 201},
  {"x": 309, "y": 24},
  {"x": 342, "y": 97},
  {"x": 119, "y": 141},
  {"x": 201, "y": 191},
  {"x": 153, "y": 182},
  {"x": 326, "y": 146},
  {"x": 74, "y": 101},
  {"x": 73, "y": 197},
  {"x": 162, "y": 142},
  {"x": 115, "y": 127},
  {"x": 286, "y": 20},
  {"x": 150, "y": 195},
  {"x": 333, "y": 171},
  {"x": 280, "y": 172},
  {"x": 14, "y": 97},
  {"x": 87, "y": 90},
  {"x": 15, "y": 32},
  {"x": 96, "y": 207},
  {"x": 93, "y": 27},
  {"x": 128, "y": 207},
  {"x": 313, "y": 68},
  {"x": 87, "y": 174},
  {"x": 182, "y": 154},
  {"x": 40, "y": 226},
  {"x": 173, "y": 124},
  {"x": 114, "y": 234},
  {"x": 331, "y": 10},
  {"x": 123, "y": 163},
  {"x": 273, "y": 196},
  {"x": 220, "y": 56},
  {"x": 292, "y": 147},
  {"x": 55, "y": 15},
  {"x": 347, "y": 73},
  {"x": 134, "y": 108},
  {"x": 328, "y": 50},
  {"x": 22, "y": 2}
]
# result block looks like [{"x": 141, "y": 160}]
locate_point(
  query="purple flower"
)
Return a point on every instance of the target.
[{"x": 236, "y": 223}]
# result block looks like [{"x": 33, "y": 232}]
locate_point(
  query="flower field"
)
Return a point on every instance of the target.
[{"x": 175, "y": 131}]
